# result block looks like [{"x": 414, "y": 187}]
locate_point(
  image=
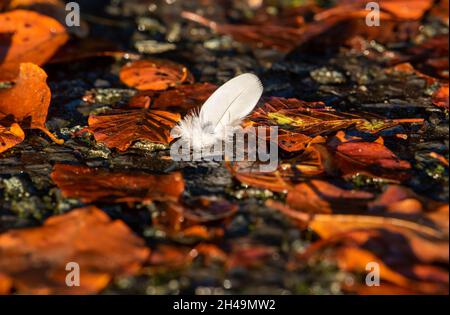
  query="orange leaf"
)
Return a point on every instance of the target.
[
  {"x": 10, "y": 136},
  {"x": 122, "y": 127},
  {"x": 321, "y": 197},
  {"x": 181, "y": 99},
  {"x": 329, "y": 225},
  {"x": 441, "y": 97},
  {"x": 36, "y": 258},
  {"x": 52, "y": 8},
  {"x": 28, "y": 100},
  {"x": 89, "y": 185},
  {"x": 371, "y": 157},
  {"x": 154, "y": 75},
  {"x": 26, "y": 36}
]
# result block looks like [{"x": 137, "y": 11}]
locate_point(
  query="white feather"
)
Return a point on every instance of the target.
[{"x": 221, "y": 113}]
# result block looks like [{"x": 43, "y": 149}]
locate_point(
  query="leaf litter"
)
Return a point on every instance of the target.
[{"x": 362, "y": 175}]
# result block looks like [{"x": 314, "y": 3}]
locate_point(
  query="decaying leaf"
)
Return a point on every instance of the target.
[
  {"x": 35, "y": 259},
  {"x": 28, "y": 99},
  {"x": 91, "y": 185},
  {"x": 154, "y": 75},
  {"x": 120, "y": 128},
  {"x": 313, "y": 119},
  {"x": 26, "y": 36},
  {"x": 10, "y": 136}
]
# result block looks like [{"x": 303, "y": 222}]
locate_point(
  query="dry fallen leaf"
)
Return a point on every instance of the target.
[
  {"x": 26, "y": 36},
  {"x": 52, "y": 8},
  {"x": 35, "y": 259},
  {"x": 441, "y": 97},
  {"x": 321, "y": 197},
  {"x": 313, "y": 118},
  {"x": 155, "y": 75},
  {"x": 28, "y": 99},
  {"x": 90, "y": 185},
  {"x": 181, "y": 99},
  {"x": 371, "y": 158},
  {"x": 120, "y": 128},
  {"x": 10, "y": 136}
]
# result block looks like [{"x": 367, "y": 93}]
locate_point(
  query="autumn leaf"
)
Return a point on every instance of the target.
[
  {"x": 102, "y": 185},
  {"x": 190, "y": 219},
  {"x": 26, "y": 36},
  {"x": 313, "y": 161},
  {"x": 248, "y": 255},
  {"x": 28, "y": 99},
  {"x": 181, "y": 99},
  {"x": 441, "y": 97},
  {"x": 401, "y": 9},
  {"x": 52, "y": 8},
  {"x": 10, "y": 136},
  {"x": 120, "y": 128},
  {"x": 314, "y": 119},
  {"x": 321, "y": 197},
  {"x": 279, "y": 37},
  {"x": 35, "y": 259},
  {"x": 370, "y": 157},
  {"x": 155, "y": 75},
  {"x": 90, "y": 48}
]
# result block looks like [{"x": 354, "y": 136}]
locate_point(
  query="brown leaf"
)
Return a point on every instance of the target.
[
  {"x": 26, "y": 36},
  {"x": 370, "y": 157},
  {"x": 90, "y": 185},
  {"x": 314, "y": 119},
  {"x": 28, "y": 99},
  {"x": 248, "y": 255},
  {"x": 274, "y": 36},
  {"x": 321, "y": 197},
  {"x": 190, "y": 219},
  {"x": 441, "y": 97},
  {"x": 155, "y": 75},
  {"x": 329, "y": 225},
  {"x": 35, "y": 258},
  {"x": 401, "y": 9},
  {"x": 10, "y": 136},
  {"x": 52, "y": 8},
  {"x": 313, "y": 161},
  {"x": 120, "y": 128},
  {"x": 90, "y": 48},
  {"x": 181, "y": 99}
]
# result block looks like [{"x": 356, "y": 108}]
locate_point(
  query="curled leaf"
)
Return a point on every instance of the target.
[
  {"x": 154, "y": 75},
  {"x": 10, "y": 136},
  {"x": 28, "y": 99}
]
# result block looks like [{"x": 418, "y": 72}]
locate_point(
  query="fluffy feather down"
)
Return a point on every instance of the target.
[{"x": 221, "y": 113}]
